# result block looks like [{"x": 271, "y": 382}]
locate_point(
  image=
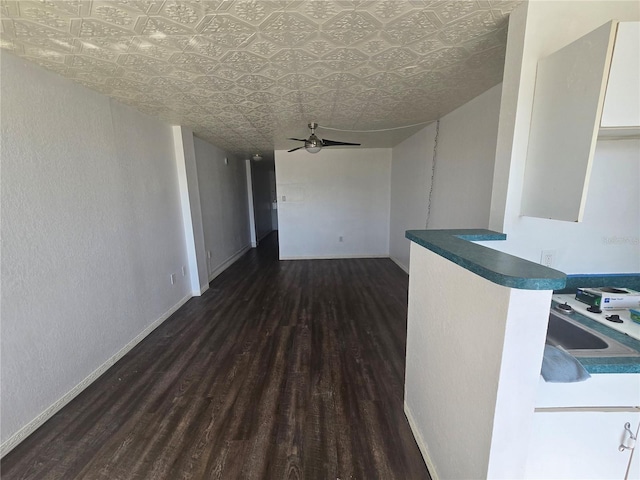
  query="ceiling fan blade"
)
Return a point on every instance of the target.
[
  {"x": 298, "y": 139},
  {"x": 294, "y": 149},
  {"x": 332, "y": 143}
]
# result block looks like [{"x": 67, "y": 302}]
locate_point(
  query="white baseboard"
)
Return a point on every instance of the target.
[
  {"x": 228, "y": 262},
  {"x": 254, "y": 244},
  {"x": 402, "y": 266},
  {"x": 34, "y": 424},
  {"x": 421, "y": 443},
  {"x": 329, "y": 257}
]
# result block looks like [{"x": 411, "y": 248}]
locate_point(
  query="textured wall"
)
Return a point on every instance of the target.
[
  {"x": 472, "y": 368},
  {"x": 334, "y": 193},
  {"x": 223, "y": 200},
  {"x": 464, "y": 168},
  {"x": 410, "y": 182},
  {"x": 91, "y": 231},
  {"x": 449, "y": 393},
  {"x": 463, "y": 178}
]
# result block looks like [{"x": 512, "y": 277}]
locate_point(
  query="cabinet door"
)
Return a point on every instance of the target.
[
  {"x": 567, "y": 107},
  {"x": 634, "y": 466},
  {"x": 579, "y": 445}
]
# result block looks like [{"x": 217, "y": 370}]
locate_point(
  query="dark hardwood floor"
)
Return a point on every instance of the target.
[{"x": 288, "y": 369}]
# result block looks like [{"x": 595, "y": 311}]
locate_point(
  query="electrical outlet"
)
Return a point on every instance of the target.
[
  {"x": 208, "y": 253},
  {"x": 184, "y": 270},
  {"x": 284, "y": 198},
  {"x": 172, "y": 278},
  {"x": 547, "y": 258}
]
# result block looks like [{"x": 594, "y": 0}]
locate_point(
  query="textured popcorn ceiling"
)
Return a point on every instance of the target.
[{"x": 246, "y": 74}]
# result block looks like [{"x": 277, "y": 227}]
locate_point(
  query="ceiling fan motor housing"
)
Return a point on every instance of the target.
[{"x": 313, "y": 144}]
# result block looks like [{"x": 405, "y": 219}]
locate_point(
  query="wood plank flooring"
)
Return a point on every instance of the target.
[{"x": 281, "y": 370}]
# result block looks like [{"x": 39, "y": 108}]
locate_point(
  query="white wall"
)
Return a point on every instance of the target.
[
  {"x": 471, "y": 375},
  {"x": 463, "y": 178},
  {"x": 91, "y": 231},
  {"x": 607, "y": 241},
  {"x": 334, "y": 193},
  {"x": 410, "y": 182},
  {"x": 250, "y": 208},
  {"x": 464, "y": 168},
  {"x": 223, "y": 200},
  {"x": 261, "y": 172},
  {"x": 185, "y": 153}
]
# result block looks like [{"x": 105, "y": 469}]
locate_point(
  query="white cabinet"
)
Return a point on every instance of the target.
[
  {"x": 579, "y": 427},
  {"x": 579, "y": 444},
  {"x": 622, "y": 100},
  {"x": 566, "y": 118}
]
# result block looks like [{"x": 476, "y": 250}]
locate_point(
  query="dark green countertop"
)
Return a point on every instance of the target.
[
  {"x": 581, "y": 280},
  {"x": 497, "y": 267}
]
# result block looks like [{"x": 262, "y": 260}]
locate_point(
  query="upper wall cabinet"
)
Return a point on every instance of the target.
[
  {"x": 622, "y": 100},
  {"x": 567, "y": 110}
]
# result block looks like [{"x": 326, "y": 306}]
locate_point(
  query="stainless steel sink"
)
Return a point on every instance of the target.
[{"x": 582, "y": 341}]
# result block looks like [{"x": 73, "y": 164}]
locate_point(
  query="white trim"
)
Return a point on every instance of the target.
[
  {"x": 34, "y": 424},
  {"x": 252, "y": 215},
  {"x": 421, "y": 443},
  {"x": 403, "y": 267},
  {"x": 202, "y": 290},
  {"x": 190, "y": 207},
  {"x": 228, "y": 262},
  {"x": 330, "y": 257}
]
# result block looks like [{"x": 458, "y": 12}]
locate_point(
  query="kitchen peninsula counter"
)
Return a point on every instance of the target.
[
  {"x": 495, "y": 266},
  {"x": 476, "y": 329}
]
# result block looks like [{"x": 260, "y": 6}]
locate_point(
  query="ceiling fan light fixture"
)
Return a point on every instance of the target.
[
  {"x": 256, "y": 157},
  {"x": 313, "y": 144}
]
